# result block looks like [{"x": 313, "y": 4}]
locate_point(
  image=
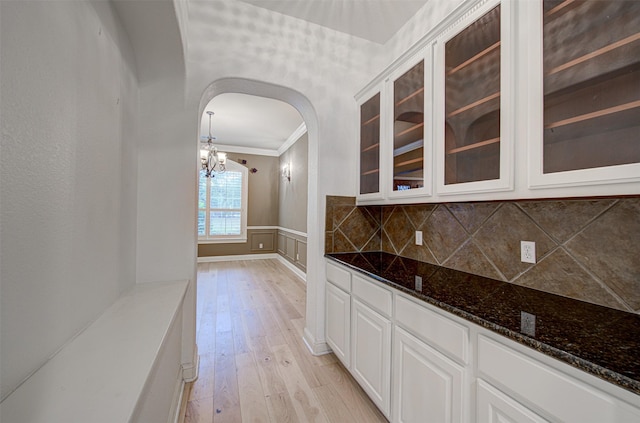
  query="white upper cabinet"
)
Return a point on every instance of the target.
[
  {"x": 395, "y": 153},
  {"x": 474, "y": 102},
  {"x": 506, "y": 100},
  {"x": 409, "y": 154},
  {"x": 585, "y": 126},
  {"x": 370, "y": 137}
]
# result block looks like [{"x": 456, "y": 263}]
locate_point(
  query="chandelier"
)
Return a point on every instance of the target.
[{"x": 211, "y": 159}]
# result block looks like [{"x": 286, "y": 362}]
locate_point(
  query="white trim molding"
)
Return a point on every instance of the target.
[
  {"x": 293, "y": 268},
  {"x": 295, "y": 136},
  {"x": 190, "y": 370},
  {"x": 215, "y": 259},
  {"x": 279, "y": 228},
  {"x": 316, "y": 348}
]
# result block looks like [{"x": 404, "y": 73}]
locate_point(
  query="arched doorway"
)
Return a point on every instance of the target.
[{"x": 314, "y": 326}]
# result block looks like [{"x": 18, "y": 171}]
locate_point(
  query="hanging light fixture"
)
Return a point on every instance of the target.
[{"x": 211, "y": 159}]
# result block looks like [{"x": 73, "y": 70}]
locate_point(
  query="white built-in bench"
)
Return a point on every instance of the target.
[{"x": 106, "y": 373}]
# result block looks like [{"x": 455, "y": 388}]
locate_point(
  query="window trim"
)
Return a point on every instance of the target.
[{"x": 231, "y": 166}]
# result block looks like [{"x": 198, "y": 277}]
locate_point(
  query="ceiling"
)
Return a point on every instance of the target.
[
  {"x": 243, "y": 122},
  {"x": 373, "y": 20}
]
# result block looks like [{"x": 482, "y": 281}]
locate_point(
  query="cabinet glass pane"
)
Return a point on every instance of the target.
[
  {"x": 408, "y": 130},
  {"x": 472, "y": 102},
  {"x": 370, "y": 146},
  {"x": 591, "y": 84}
]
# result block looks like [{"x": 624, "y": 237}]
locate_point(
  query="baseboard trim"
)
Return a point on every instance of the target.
[
  {"x": 176, "y": 403},
  {"x": 316, "y": 348},
  {"x": 214, "y": 259},
  {"x": 190, "y": 370},
  {"x": 293, "y": 268}
]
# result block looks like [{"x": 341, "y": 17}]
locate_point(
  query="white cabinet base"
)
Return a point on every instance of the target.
[
  {"x": 371, "y": 365},
  {"x": 427, "y": 385},
  {"x": 338, "y": 330}
]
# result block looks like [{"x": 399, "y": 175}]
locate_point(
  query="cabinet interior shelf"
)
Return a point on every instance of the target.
[
  {"x": 596, "y": 53},
  {"x": 410, "y": 96},
  {"x": 408, "y": 162},
  {"x": 474, "y": 145},
  {"x": 474, "y": 58},
  {"x": 371, "y": 147},
  {"x": 370, "y": 172},
  {"x": 592, "y": 115},
  {"x": 373, "y": 119},
  {"x": 559, "y": 7},
  {"x": 413, "y": 128},
  {"x": 474, "y": 104}
]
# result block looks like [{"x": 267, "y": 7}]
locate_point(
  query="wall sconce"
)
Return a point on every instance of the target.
[{"x": 286, "y": 172}]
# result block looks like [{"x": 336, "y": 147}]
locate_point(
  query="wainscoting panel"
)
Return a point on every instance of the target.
[
  {"x": 262, "y": 241},
  {"x": 293, "y": 247}
]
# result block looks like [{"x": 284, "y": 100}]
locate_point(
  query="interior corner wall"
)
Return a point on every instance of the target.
[
  {"x": 69, "y": 108},
  {"x": 293, "y": 193}
]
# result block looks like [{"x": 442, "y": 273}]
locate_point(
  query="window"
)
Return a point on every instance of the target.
[{"x": 222, "y": 205}]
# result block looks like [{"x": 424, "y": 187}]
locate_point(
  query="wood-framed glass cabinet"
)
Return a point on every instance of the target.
[
  {"x": 409, "y": 153},
  {"x": 585, "y": 70},
  {"x": 474, "y": 102},
  {"x": 369, "y": 148},
  {"x": 395, "y": 133}
]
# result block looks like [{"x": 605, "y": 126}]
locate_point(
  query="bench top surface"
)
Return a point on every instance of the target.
[{"x": 99, "y": 375}]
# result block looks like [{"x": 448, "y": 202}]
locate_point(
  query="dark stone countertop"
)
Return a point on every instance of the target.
[{"x": 598, "y": 340}]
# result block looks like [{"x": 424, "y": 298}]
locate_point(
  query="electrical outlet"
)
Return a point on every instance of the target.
[
  {"x": 418, "y": 237},
  {"x": 297, "y": 257},
  {"x": 261, "y": 245},
  {"x": 418, "y": 283},
  {"x": 527, "y": 323},
  {"x": 528, "y": 251}
]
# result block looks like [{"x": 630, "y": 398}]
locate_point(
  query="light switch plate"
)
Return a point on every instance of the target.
[{"x": 418, "y": 237}]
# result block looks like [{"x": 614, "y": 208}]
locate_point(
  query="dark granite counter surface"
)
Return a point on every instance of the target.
[{"x": 599, "y": 340}]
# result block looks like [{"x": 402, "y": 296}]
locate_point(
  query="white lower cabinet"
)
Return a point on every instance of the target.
[
  {"x": 371, "y": 366},
  {"x": 553, "y": 392},
  {"x": 494, "y": 406},
  {"x": 446, "y": 369},
  {"x": 427, "y": 386},
  {"x": 338, "y": 326}
]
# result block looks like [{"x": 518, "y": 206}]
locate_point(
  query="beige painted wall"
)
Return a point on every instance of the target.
[
  {"x": 273, "y": 201},
  {"x": 263, "y": 188},
  {"x": 293, "y": 193}
]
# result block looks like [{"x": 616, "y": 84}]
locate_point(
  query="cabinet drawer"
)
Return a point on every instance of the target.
[
  {"x": 433, "y": 328},
  {"x": 339, "y": 277},
  {"x": 372, "y": 294},
  {"x": 532, "y": 382}
]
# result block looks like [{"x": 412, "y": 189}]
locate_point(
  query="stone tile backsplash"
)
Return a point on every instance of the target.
[{"x": 587, "y": 249}]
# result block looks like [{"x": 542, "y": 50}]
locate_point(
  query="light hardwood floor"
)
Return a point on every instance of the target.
[{"x": 254, "y": 366}]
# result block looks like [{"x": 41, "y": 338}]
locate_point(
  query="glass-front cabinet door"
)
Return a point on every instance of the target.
[
  {"x": 473, "y": 113},
  {"x": 589, "y": 131},
  {"x": 369, "y": 170},
  {"x": 410, "y": 130}
]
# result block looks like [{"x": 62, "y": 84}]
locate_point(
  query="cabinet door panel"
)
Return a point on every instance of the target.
[
  {"x": 369, "y": 175},
  {"x": 474, "y": 117},
  {"x": 532, "y": 381},
  {"x": 371, "y": 365},
  {"x": 338, "y": 317},
  {"x": 586, "y": 58},
  {"x": 427, "y": 385},
  {"x": 496, "y": 407}
]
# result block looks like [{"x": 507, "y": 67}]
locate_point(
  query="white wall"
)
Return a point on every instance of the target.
[
  {"x": 69, "y": 107},
  {"x": 229, "y": 39}
]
